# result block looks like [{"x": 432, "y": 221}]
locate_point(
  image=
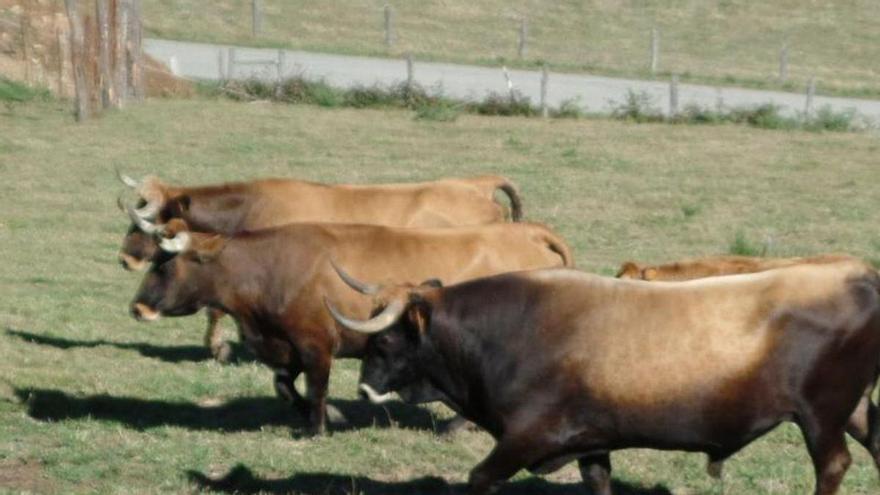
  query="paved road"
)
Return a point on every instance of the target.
[{"x": 198, "y": 60}]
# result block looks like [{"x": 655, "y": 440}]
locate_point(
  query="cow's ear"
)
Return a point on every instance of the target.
[
  {"x": 208, "y": 248},
  {"x": 177, "y": 207},
  {"x": 649, "y": 274},
  {"x": 628, "y": 270}
]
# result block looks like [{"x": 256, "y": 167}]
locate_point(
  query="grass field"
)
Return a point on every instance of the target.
[
  {"x": 91, "y": 401},
  {"x": 717, "y": 41}
]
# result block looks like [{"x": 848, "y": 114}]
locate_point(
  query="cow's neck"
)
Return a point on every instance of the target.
[
  {"x": 224, "y": 212},
  {"x": 453, "y": 364}
]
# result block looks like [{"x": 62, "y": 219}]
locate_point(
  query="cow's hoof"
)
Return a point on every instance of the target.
[
  {"x": 222, "y": 353},
  {"x": 715, "y": 469},
  {"x": 335, "y": 416}
]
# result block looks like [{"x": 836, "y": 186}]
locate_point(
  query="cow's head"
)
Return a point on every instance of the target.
[
  {"x": 397, "y": 339},
  {"x": 179, "y": 273},
  {"x": 155, "y": 206}
]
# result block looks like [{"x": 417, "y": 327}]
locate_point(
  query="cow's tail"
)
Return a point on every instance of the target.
[
  {"x": 558, "y": 245},
  {"x": 498, "y": 182}
]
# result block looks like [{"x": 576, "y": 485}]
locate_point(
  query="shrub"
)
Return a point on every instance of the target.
[
  {"x": 637, "y": 107},
  {"x": 514, "y": 103}
]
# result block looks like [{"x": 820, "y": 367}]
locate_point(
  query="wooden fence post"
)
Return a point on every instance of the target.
[
  {"x": 389, "y": 25},
  {"x": 510, "y": 91},
  {"x": 279, "y": 66},
  {"x": 545, "y": 79},
  {"x": 655, "y": 50},
  {"x": 811, "y": 92},
  {"x": 783, "y": 64},
  {"x": 256, "y": 17},
  {"x": 221, "y": 70},
  {"x": 77, "y": 51},
  {"x": 673, "y": 96},
  {"x": 230, "y": 63},
  {"x": 105, "y": 80},
  {"x": 59, "y": 39},
  {"x": 523, "y": 36},
  {"x": 25, "y": 27},
  {"x": 120, "y": 61},
  {"x": 410, "y": 71},
  {"x": 134, "y": 51}
]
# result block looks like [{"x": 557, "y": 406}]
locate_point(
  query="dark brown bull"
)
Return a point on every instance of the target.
[
  {"x": 864, "y": 424},
  {"x": 234, "y": 207},
  {"x": 272, "y": 282},
  {"x": 560, "y": 365}
]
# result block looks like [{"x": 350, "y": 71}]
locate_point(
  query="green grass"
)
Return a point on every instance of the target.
[
  {"x": 731, "y": 42},
  {"x": 91, "y": 401}
]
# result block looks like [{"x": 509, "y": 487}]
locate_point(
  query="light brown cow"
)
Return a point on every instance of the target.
[
  {"x": 711, "y": 266},
  {"x": 273, "y": 281},
  {"x": 235, "y": 207},
  {"x": 864, "y": 424}
]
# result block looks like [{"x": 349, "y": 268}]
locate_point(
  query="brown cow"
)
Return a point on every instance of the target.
[
  {"x": 864, "y": 424},
  {"x": 561, "y": 365},
  {"x": 272, "y": 283},
  {"x": 234, "y": 207},
  {"x": 715, "y": 265}
]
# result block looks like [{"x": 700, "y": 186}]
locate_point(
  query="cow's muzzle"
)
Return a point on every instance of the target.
[{"x": 142, "y": 312}]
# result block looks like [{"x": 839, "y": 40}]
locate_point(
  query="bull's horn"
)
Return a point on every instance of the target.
[
  {"x": 375, "y": 397},
  {"x": 128, "y": 181},
  {"x": 362, "y": 287},
  {"x": 145, "y": 226},
  {"x": 180, "y": 242},
  {"x": 376, "y": 324}
]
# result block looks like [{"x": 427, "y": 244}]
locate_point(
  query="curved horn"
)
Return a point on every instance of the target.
[
  {"x": 362, "y": 287},
  {"x": 146, "y": 226},
  {"x": 128, "y": 181},
  {"x": 176, "y": 244},
  {"x": 376, "y": 324}
]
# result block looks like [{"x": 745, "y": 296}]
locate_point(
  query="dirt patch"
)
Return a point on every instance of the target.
[
  {"x": 25, "y": 475},
  {"x": 34, "y": 50}
]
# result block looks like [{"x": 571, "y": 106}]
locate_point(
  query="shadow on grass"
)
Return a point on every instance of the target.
[
  {"x": 244, "y": 414},
  {"x": 241, "y": 480},
  {"x": 170, "y": 354}
]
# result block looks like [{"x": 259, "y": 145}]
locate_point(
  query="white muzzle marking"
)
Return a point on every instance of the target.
[{"x": 375, "y": 397}]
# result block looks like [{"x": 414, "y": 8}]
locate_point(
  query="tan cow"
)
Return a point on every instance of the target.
[{"x": 235, "y": 207}]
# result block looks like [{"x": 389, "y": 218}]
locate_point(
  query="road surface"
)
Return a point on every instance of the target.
[{"x": 467, "y": 82}]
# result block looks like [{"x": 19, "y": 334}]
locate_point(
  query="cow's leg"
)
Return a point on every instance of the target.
[
  {"x": 511, "y": 454},
  {"x": 454, "y": 425},
  {"x": 214, "y": 337},
  {"x": 596, "y": 473},
  {"x": 864, "y": 425},
  {"x": 831, "y": 458},
  {"x": 316, "y": 361},
  {"x": 285, "y": 389}
]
